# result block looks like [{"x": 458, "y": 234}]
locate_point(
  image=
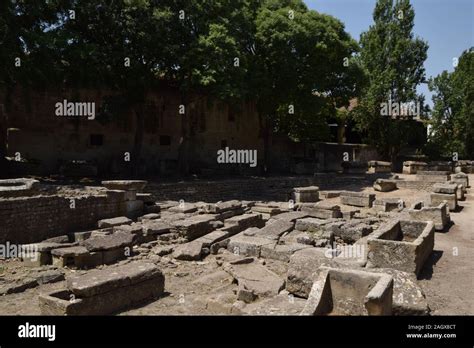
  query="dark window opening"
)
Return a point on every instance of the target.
[
  {"x": 97, "y": 139},
  {"x": 165, "y": 140}
]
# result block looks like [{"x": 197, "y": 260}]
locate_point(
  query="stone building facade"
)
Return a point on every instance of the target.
[{"x": 31, "y": 130}]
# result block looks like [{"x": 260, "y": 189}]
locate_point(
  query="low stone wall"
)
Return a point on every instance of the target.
[
  {"x": 32, "y": 219},
  {"x": 254, "y": 188},
  {"x": 414, "y": 185}
]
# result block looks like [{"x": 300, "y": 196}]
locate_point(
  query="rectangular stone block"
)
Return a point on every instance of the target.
[
  {"x": 357, "y": 199},
  {"x": 194, "y": 226},
  {"x": 388, "y": 204},
  {"x": 379, "y": 167},
  {"x": 121, "y": 220},
  {"x": 306, "y": 194},
  {"x": 107, "y": 291},
  {"x": 402, "y": 245},
  {"x": 412, "y": 167},
  {"x": 248, "y": 245}
]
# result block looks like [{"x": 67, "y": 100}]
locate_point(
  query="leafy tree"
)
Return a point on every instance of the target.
[
  {"x": 27, "y": 52},
  {"x": 452, "y": 118},
  {"x": 393, "y": 61},
  {"x": 302, "y": 63},
  {"x": 286, "y": 54}
]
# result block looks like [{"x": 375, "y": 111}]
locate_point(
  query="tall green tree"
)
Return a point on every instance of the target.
[
  {"x": 452, "y": 118},
  {"x": 393, "y": 61},
  {"x": 302, "y": 68}
]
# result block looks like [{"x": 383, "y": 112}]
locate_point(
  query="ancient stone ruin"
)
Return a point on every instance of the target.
[{"x": 117, "y": 247}]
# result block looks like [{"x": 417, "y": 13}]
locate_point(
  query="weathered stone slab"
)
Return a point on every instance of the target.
[
  {"x": 281, "y": 252},
  {"x": 241, "y": 244},
  {"x": 127, "y": 185},
  {"x": 155, "y": 228},
  {"x": 255, "y": 278},
  {"x": 291, "y": 216},
  {"x": 102, "y": 281},
  {"x": 121, "y": 220},
  {"x": 70, "y": 251},
  {"x": 221, "y": 207},
  {"x": 191, "y": 251},
  {"x": 213, "y": 237},
  {"x": 194, "y": 226},
  {"x": 357, "y": 199},
  {"x": 151, "y": 216},
  {"x": 107, "y": 291},
  {"x": 321, "y": 210},
  {"x": 275, "y": 229},
  {"x": 246, "y": 221},
  {"x": 113, "y": 241},
  {"x": 184, "y": 208},
  {"x": 384, "y": 185}
]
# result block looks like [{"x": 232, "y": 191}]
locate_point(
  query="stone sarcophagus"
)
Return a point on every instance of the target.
[
  {"x": 349, "y": 292},
  {"x": 438, "y": 214},
  {"x": 102, "y": 292},
  {"x": 379, "y": 167},
  {"x": 412, "y": 167},
  {"x": 357, "y": 199},
  {"x": 402, "y": 245}
]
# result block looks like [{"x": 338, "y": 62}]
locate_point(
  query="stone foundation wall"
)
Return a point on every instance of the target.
[
  {"x": 255, "y": 188},
  {"x": 32, "y": 219}
]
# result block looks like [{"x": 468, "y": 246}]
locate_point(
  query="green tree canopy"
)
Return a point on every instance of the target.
[
  {"x": 393, "y": 61},
  {"x": 452, "y": 118}
]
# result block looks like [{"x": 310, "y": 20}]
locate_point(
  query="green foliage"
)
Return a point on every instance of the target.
[
  {"x": 452, "y": 119},
  {"x": 231, "y": 49},
  {"x": 393, "y": 61}
]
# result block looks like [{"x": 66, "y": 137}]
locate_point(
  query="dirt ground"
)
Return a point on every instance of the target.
[{"x": 202, "y": 287}]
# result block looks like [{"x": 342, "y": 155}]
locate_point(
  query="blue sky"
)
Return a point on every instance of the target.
[{"x": 447, "y": 26}]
